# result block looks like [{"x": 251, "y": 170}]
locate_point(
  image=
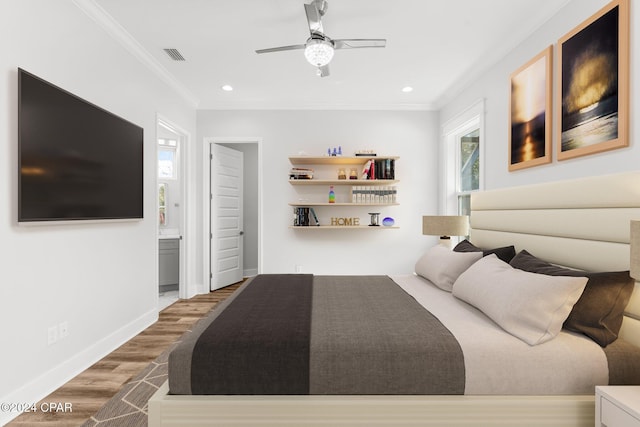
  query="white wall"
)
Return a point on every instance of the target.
[
  {"x": 101, "y": 278},
  {"x": 412, "y": 135},
  {"x": 494, "y": 87}
]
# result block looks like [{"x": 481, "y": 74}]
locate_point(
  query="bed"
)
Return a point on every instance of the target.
[{"x": 581, "y": 224}]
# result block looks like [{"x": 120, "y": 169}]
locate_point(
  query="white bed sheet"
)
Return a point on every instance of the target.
[{"x": 569, "y": 364}]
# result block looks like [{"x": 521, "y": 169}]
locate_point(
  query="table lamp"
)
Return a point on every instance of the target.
[{"x": 445, "y": 226}]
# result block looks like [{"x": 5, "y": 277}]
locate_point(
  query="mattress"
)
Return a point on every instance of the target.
[{"x": 341, "y": 335}]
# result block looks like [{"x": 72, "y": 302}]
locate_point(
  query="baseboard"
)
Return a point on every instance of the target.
[
  {"x": 250, "y": 272},
  {"x": 40, "y": 387},
  {"x": 194, "y": 289}
]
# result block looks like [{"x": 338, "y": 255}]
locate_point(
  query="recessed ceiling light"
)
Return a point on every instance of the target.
[
  {"x": 407, "y": 89},
  {"x": 227, "y": 88}
]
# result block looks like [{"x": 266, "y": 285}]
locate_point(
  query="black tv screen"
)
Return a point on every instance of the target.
[{"x": 77, "y": 161}]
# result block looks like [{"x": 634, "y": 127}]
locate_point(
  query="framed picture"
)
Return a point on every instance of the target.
[
  {"x": 530, "y": 112},
  {"x": 593, "y": 113}
]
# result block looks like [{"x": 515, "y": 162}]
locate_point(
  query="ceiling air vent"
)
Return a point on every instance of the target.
[{"x": 174, "y": 54}]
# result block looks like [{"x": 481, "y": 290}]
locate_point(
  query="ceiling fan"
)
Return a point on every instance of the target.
[{"x": 319, "y": 48}]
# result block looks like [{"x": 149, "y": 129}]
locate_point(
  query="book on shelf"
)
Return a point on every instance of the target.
[
  {"x": 300, "y": 173},
  {"x": 365, "y": 153},
  {"x": 379, "y": 169},
  {"x": 302, "y": 216},
  {"x": 315, "y": 217},
  {"x": 374, "y": 195},
  {"x": 384, "y": 169}
]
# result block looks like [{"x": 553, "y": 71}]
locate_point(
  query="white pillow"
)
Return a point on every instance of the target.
[
  {"x": 442, "y": 266},
  {"x": 529, "y": 306}
]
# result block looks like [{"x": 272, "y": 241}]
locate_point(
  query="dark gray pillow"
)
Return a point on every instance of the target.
[
  {"x": 599, "y": 311},
  {"x": 505, "y": 253}
]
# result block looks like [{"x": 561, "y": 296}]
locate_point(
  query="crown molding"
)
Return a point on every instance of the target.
[
  {"x": 122, "y": 36},
  {"x": 321, "y": 107},
  {"x": 481, "y": 67}
]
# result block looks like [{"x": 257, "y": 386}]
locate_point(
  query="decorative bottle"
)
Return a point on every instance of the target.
[{"x": 332, "y": 195}]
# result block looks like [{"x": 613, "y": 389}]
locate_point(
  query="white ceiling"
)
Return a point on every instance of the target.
[{"x": 433, "y": 46}]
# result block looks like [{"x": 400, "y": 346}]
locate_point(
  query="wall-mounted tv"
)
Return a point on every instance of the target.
[{"x": 76, "y": 160}]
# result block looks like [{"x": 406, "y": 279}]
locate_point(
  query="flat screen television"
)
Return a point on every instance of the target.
[{"x": 76, "y": 161}]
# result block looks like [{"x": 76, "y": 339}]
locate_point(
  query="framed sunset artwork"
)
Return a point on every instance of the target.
[
  {"x": 530, "y": 112},
  {"x": 593, "y": 113}
]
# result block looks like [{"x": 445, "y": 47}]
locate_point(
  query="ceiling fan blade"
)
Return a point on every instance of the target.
[
  {"x": 281, "y": 48},
  {"x": 358, "y": 43},
  {"x": 323, "y": 71},
  {"x": 313, "y": 18}
]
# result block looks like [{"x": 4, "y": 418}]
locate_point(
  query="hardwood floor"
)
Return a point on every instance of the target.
[{"x": 91, "y": 389}]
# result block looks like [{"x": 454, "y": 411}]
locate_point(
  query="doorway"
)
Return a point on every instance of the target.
[
  {"x": 220, "y": 247},
  {"x": 170, "y": 216}
]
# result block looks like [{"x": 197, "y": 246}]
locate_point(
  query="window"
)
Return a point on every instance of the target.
[
  {"x": 468, "y": 148},
  {"x": 167, "y": 159},
  {"x": 463, "y": 163}
]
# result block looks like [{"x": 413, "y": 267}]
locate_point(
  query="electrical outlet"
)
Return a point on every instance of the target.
[
  {"x": 298, "y": 269},
  {"x": 63, "y": 329},
  {"x": 52, "y": 335}
]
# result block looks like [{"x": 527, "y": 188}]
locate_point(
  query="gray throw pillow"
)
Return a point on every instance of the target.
[{"x": 599, "y": 312}]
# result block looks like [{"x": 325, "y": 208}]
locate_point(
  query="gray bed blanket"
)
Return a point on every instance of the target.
[
  {"x": 362, "y": 335},
  {"x": 370, "y": 337},
  {"x": 260, "y": 343}
]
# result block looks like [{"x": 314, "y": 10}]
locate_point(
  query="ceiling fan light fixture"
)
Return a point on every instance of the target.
[{"x": 318, "y": 52}]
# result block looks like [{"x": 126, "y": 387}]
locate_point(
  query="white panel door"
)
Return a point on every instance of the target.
[{"x": 226, "y": 216}]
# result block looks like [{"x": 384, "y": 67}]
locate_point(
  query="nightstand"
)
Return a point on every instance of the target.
[{"x": 617, "y": 406}]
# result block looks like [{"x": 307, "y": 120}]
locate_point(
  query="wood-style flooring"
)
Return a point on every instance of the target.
[{"x": 91, "y": 389}]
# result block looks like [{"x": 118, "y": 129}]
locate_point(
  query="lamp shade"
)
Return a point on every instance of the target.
[
  {"x": 318, "y": 52},
  {"x": 634, "y": 241},
  {"x": 447, "y": 225}
]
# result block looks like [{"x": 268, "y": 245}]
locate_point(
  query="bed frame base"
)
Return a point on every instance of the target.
[{"x": 398, "y": 411}]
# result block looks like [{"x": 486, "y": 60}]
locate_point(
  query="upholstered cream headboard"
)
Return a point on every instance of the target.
[{"x": 582, "y": 223}]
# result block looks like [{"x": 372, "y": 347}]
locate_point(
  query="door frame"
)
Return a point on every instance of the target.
[
  {"x": 187, "y": 241},
  {"x": 206, "y": 198}
]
